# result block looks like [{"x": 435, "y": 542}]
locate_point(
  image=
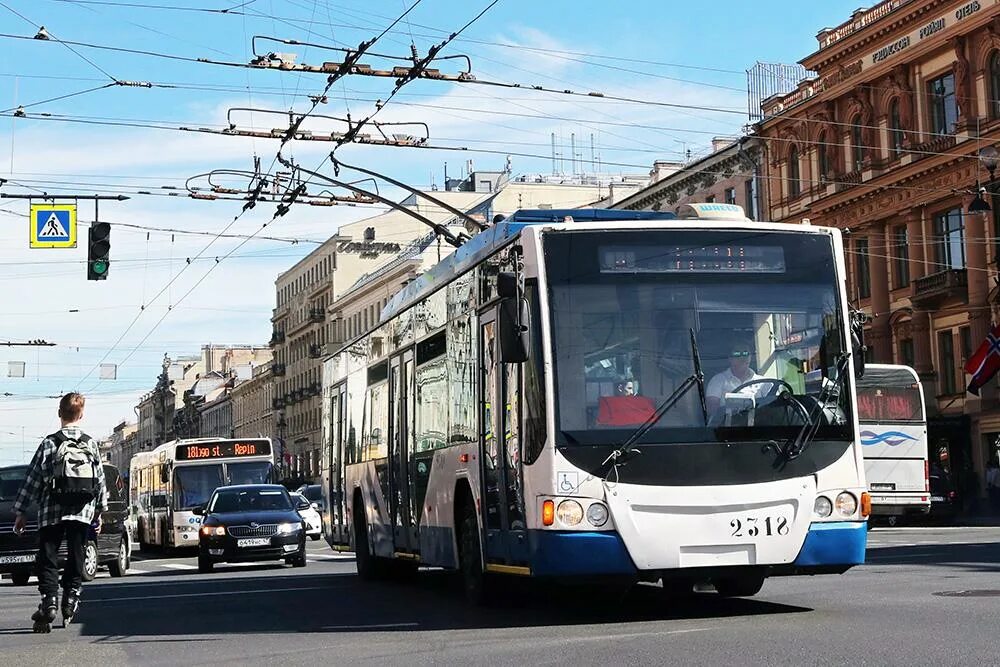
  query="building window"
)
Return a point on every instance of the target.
[
  {"x": 857, "y": 143},
  {"x": 946, "y": 362},
  {"x": 965, "y": 336},
  {"x": 994, "y": 74},
  {"x": 824, "y": 161},
  {"x": 748, "y": 194},
  {"x": 794, "y": 186},
  {"x": 895, "y": 129},
  {"x": 906, "y": 352},
  {"x": 942, "y": 103},
  {"x": 950, "y": 230},
  {"x": 710, "y": 199},
  {"x": 902, "y": 257},
  {"x": 730, "y": 195},
  {"x": 864, "y": 271}
]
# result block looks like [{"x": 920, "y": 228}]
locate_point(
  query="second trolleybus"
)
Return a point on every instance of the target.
[{"x": 547, "y": 402}]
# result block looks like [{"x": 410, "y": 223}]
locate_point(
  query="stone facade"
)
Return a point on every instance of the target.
[{"x": 883, "y": 144}]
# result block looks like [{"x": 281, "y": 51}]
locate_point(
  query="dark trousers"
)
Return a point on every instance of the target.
[{"x": 50, "y": 538}]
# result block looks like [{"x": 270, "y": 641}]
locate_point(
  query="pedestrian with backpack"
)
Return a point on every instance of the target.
[{"x": 66, "y": 480}]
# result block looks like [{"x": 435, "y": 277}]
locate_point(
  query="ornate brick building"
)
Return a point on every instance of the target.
[{"x": 884, "y": 142}]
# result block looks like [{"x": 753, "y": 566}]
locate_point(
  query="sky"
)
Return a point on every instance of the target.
[{"x": 169, "y": 292}]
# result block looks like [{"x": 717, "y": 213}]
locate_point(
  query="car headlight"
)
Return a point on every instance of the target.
[
  {"x": 570, "y": 512},
  {"x": 213, "y": 531},
  {"x": 822, "y": 507},
  {"x": 597, "y": 514},
  {"x": 288, "y": 528},
  {"x": 847, "y": 504}
]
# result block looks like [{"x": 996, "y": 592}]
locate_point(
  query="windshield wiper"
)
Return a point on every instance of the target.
[
  {"x": 624, "y": 451},
  {"x": 794, "y": 448}
]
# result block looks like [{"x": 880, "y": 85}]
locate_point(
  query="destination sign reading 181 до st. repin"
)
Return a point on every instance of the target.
[
  {"x": 222, "y": 450},
  {"x": 681, "y": 259}
]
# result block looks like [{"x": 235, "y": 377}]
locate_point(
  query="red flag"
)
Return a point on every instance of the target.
[{"x": 985, "y": 363}]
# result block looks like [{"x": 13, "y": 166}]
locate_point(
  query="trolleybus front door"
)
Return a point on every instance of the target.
[{"x": 503, "y": 502}]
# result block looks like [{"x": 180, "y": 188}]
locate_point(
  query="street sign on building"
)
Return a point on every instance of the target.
[{"x": 52, "y": 226}]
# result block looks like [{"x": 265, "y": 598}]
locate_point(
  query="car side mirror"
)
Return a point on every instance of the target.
[
  {"x": 513, "y": 330},
  {"x": 199, "y": 510},
  {"x": 858, "y": 348},
  {"x": 302, "y": 505}
]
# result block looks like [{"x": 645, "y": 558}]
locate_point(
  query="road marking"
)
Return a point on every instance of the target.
[
  {"x": 372, "y": 626},
  {"x": 132, "y": 570},
  {"x": 208, "y": 594},
  {"x": 180, "y": 566},
  {"x": 925, "y": 554}
]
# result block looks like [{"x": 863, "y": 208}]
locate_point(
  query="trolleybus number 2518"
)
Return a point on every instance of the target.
[{"x": 752, "y": 526}]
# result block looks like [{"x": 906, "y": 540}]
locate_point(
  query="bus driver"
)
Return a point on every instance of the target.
[{"x": 738, "y": 373}]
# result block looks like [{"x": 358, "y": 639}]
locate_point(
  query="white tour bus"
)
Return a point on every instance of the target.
[
  {"x": 167, "y": 483},
  {"x": 894, "y": 440},
  {"x": 535, "y": 405}
]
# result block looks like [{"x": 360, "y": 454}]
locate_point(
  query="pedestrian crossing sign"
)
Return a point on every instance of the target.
[{"x": 53, "y": 226}]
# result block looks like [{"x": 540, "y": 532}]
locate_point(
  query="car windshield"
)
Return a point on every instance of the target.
[
  {"x": 763, "y": 309},
  {"x": 313, "y": 492},
  {"x": 11, "y": 480},
  {"x": 298, "y": 499},
  {"x": 193, "y": 485},
  {"x": 251, "y": 500},
  {"x": 249, "y": 472}
]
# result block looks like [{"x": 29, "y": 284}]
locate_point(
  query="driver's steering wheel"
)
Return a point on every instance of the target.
[{"x": 778, "y": 385}]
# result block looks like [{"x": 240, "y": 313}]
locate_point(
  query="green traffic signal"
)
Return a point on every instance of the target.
[{"x": 98, "y": 251}]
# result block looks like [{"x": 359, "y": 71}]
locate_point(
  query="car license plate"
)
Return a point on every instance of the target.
[
  {"x": 882, "y": 486},
  {"x": 254, "y": 542},
  {"x": 759, "y": 526},
  {"x": 27, "y": 558},
  {"x": 937, "y": 499}
]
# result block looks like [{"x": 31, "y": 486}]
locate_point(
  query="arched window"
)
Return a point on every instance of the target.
[
  {"x": 895, "y": 129},
  {"x": 794, "y": 188},
  {"x": 994, "y": 74},
  {"x": 823, "y": 153},
  {"x": 857, "y": 143}
]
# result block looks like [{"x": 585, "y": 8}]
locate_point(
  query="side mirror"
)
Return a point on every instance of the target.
[
  {"x": 858, "y": 348},
  {"x": 164, "y": 473},
  {"x": 507, "y": 285},
  {"x": 199, "y": 510},
  {"x": 512, "y": 324},
  {"x": 302, "y": 505}
]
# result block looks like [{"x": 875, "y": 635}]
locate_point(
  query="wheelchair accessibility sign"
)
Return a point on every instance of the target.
[{"x": 53, "y": 226}]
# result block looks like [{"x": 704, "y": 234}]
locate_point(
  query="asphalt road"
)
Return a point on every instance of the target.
[{"x": 926, "y": 596}]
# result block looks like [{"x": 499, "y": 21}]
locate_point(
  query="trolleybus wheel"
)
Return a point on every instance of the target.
[
  {"x": 365, "y": 562},
  {"x": 475, "y": 581},
  {"x": 743, "y": 586}
]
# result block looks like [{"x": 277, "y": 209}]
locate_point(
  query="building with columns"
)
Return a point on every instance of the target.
[{"x": 883, "y": 142}]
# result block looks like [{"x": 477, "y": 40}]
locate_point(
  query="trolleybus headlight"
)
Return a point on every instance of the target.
[
  {"x": 209, "y": 531},
  {"x": 847, "y": 504},
  {"x": 597, "y": 514},
  {"x": 822, "y": 507},
  {"x": 570, "y": 512}
]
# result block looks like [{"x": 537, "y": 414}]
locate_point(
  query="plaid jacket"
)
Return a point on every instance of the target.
[{"x": 37, "y": 486}]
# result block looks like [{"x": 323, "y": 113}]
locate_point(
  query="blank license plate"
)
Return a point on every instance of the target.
[
  {"x": 17, "y": 559},
  {"x": 254, "y": 542}
]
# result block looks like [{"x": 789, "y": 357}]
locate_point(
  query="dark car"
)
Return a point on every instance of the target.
[
  {"x": 111, "y": 547},
  {"x": 252, "y": 522},
  {"x": 944, "y": 499}
]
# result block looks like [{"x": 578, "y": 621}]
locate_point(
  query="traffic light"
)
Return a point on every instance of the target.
[{"x": 98, "y": 249}]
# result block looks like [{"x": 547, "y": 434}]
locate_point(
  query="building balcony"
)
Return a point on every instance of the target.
[
  {"x": 278, "y": 370},
  {"x": 277, "y": 403},
  {"x": 317, "y": 315},
  {"x": 315, "y": 351},
  {"x": 930, "y": 291},
  {"x": 277, "y": 337}
]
